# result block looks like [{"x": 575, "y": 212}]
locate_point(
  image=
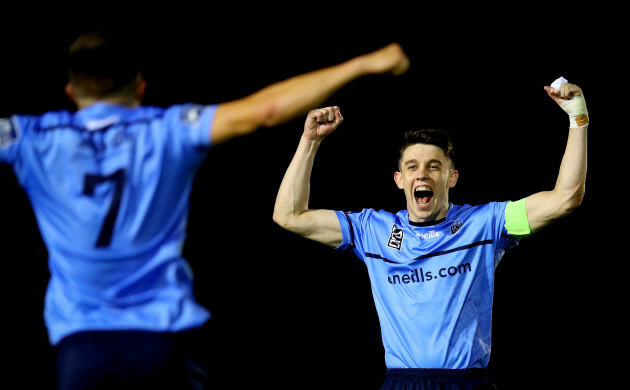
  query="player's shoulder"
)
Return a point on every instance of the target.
[
  {"x": 375, "y": 217},
  {"x": 24, "y": 124},
  {"x": 488, "y": 207},
  {"x": 186, "y": 113},
  {"x": 53, "y": 119},
  {"x": 133, "y": 115},
  {"x": 481, "y": 215},
  {"x": 371, "y": 212}
]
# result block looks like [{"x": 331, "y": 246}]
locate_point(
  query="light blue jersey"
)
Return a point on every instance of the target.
[
  {"x": 109, "y": 186},
  {"x": 432, "y": 285}
]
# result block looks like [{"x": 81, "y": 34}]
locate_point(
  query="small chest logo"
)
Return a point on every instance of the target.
[
  {"x": 456, "y": 226},
  {"x": 395, "y": 238}
]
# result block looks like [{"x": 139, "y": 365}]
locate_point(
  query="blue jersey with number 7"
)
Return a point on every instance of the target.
[{"x": 109, "y": 186}]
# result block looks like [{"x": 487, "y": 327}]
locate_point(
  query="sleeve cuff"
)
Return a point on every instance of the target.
[{"x": 346, "y": 231}]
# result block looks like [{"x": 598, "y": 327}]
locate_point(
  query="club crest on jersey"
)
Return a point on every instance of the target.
[
  {"x": 192, "y": 114},
  {"x": 395, "y": 238},
  {"x": 7, "y": 132},
  {"x": 456, "y": 226}
]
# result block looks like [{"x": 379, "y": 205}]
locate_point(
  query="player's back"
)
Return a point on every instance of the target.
[{"x": 109, "y": 186}]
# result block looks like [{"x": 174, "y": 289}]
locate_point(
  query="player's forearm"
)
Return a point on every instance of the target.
[
  {"x": 293, "y": 195},
  {"x": 297, "y": 95},
  {"x": 543, "y": 208},
  {"x": 571, "y": 182},
  {"x": 284, "y": 100}
]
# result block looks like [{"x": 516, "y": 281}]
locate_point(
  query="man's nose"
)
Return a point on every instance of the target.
[{"x": 423, "y": 173}]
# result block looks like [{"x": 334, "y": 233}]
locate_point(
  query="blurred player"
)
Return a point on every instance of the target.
[{"x": 109, "y": 185}]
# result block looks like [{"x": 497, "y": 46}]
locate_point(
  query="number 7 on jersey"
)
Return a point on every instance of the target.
[{"x": 89, "y": 184}]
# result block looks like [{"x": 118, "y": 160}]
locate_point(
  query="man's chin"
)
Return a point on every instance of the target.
[{"x": 424, "y": 213}]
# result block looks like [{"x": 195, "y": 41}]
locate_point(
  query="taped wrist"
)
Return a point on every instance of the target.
[
  {"x": 578, "y": 114},
  {"x": 575, "y": 108}
]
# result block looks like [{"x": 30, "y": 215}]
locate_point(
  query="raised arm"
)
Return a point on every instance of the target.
[
  {"x": 291, "y": 210},
  {"x": 543, "y": 208},
  {"x": 287, "y": 99}
]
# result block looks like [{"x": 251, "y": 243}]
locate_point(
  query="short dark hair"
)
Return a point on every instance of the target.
[
  {"x": 438, "y": 137},
  {"x": 102, "y": 63}
]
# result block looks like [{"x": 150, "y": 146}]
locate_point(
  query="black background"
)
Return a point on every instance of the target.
[{"x": 289, "y": 313}]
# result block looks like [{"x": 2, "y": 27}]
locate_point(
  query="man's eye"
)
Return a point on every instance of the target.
[{"x": 411, "y": 167}]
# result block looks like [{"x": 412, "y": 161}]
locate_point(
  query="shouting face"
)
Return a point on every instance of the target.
[{"x": 426, "y": 174}]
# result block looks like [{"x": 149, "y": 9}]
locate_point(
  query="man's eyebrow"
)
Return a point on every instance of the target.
[{"x": 415, "y": 161}]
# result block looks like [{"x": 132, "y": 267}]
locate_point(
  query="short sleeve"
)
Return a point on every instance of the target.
[
  {"x": 193, "y": 123},
  {"x": 353, "y": 229},
  {"x": 347, "y": 231},
  {"x": 504, "y": 239}
]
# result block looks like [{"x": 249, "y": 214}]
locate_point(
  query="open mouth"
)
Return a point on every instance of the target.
[{"x": 423, "y": 195}]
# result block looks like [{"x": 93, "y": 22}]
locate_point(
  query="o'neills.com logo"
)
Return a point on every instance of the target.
[{"x": 420, "y": 275}]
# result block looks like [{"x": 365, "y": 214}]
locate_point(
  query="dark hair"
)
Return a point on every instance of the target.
[
  {"x": 438, "y": 137},
  {"x": 102, "y": 63}
]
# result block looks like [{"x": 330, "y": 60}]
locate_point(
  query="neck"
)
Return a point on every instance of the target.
[
  {"x": 437, "y": 215},
  {"x": 123, "y": 101}
]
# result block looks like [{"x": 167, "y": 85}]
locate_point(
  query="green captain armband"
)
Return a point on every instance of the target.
[{"x": 516, "y": 219}]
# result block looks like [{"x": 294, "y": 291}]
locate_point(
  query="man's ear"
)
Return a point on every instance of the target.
[
  {"x": 141, "y": 88},
  {"x": 398, "y": 179},
  {"x": 69, "y": 89},
  {"x": 452, "y": 178}
]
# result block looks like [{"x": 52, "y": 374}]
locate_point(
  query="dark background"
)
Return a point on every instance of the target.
[{"x": 289, "y": 313}]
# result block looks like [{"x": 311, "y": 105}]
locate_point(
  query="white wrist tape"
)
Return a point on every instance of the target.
[{"x": 576, "y": 107}]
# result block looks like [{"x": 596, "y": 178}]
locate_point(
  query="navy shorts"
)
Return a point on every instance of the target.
[
  {"x": 437, "y": 379},
  {"x": 130, "y": 360}
]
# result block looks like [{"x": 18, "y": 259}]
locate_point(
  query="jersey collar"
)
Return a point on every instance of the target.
[
  {"x": 100, "y": 115},
  {"x": 431, "y": 223}
]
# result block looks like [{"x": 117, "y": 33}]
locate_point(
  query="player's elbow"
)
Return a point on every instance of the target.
[
  {"x": 269, "y": 114},
  {"x": 246, "y": 116},
  {"x": 576, "y": 201},
  {"x": 289, "y": 221},
  {"x": 572, "y": 199},
  {"x": 259, "y": 115},
  {"x": 279, "y": 219},
  {"x": 283, "y": 220},
  {"x": 261, "y": 111}
]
